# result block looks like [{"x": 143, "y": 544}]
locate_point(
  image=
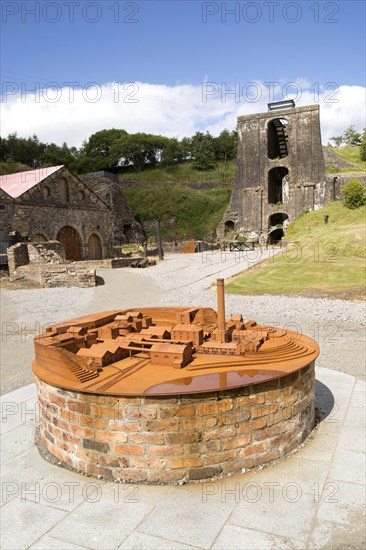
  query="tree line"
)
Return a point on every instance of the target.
[{"x": 117, "y": 150}]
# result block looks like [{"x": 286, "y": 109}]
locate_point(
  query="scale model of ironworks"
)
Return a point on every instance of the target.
[{"x": 167, "y": 351}]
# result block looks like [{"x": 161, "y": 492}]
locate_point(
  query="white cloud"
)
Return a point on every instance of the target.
[{"x": 73, "y": 114}]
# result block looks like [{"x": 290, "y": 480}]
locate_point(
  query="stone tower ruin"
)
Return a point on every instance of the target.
[{"x": 279, "y": 172}]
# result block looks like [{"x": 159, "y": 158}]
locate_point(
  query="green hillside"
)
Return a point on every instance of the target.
[
  {"x": 184, "y": 212},
  {"x": 183, "y": 172},
  {"x": 325, "y": 259},
  {"x": 349, "y": 154}
]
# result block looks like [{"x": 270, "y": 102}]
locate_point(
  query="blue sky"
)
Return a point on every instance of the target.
[{"x": 166, "y": 51}]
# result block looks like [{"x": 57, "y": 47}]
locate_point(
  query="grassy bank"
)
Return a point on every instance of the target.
[
  {"x": 349, "y": 154},
  {"x": 184, "y": 212},
  {"x": 184, "y": 172},
  {"x": 325, "y": 260}
]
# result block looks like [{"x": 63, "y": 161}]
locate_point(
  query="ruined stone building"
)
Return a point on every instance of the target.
[
  {"x": 279, "y": 172},
  {"x": 88, "y": 215}
]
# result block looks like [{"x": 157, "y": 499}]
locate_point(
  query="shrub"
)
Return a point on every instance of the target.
[{"x": 353, "y": 193}]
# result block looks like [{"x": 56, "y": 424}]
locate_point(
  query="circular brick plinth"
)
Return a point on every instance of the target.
[{"x": 168, "y": 439}]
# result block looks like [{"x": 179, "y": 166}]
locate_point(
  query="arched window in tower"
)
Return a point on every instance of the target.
[
  {"x": 277, "y": 138},
  {"x": 229, "y": 226},
  {"x": 64, "y": 190},
  {"x": 277, "y": 185}
]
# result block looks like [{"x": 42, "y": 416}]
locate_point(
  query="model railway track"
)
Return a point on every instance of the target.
[{"x": 114, "y": 378}]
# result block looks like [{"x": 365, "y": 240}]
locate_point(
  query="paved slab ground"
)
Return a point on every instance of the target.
[{"x": 314, "y": 499}]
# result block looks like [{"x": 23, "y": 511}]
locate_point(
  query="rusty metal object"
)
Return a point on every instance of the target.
[{"x": 167, "y": 351}]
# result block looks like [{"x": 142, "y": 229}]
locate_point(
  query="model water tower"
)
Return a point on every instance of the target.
[{"x": 279, "y": 171}]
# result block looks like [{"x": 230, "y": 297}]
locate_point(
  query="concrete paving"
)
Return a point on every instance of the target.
[{"x": 314, "y": 499}]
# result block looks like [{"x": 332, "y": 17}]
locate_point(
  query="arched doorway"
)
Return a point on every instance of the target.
[
  {"x": 276, "y": 177},
  {"x": 94, "y": 247},
  {"x": 277, "y": 219},
  {"x": 71, "y": 241},
  {"x": 38, "y": 238},
  {"x": 275, "y": 236},
  {"x": 229, "y": 226}
]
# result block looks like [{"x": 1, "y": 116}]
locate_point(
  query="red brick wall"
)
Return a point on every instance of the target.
[{"x": 168, "y": 439}]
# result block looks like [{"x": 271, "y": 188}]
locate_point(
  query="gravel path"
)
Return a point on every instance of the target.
[{"x": 337, "y": 325}]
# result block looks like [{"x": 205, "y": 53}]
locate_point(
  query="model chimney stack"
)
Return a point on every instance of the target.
[{"x": 221, "y": 326}]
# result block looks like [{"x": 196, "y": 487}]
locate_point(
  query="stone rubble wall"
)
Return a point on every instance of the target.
[
  {"x": 46, "y": 252},
  {"x": 41, "y": 263},
  {"x": 17, "y": 256}
]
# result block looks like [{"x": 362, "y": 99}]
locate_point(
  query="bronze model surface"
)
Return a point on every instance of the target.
[{"x": 167, "y": 351}]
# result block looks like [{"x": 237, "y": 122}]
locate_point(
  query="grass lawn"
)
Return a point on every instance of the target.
[{"x": 326, "y": 260}]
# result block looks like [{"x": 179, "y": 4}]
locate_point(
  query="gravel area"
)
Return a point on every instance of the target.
[{"x": 337, "y": 325}]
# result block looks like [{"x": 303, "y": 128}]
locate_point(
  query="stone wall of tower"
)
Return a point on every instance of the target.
[{"x": 306, "y": 189}]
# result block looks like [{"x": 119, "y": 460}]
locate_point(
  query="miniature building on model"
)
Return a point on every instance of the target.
[{"x": 279, "y": 171}]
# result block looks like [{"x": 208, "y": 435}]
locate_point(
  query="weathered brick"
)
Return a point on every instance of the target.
[
  {"x": 148, "y": 438},
  {"x": 215, "y": 408},
  {"x": 49, "y": 436},
  {"x": 57, "y": 400},
  {"x": 161, "y": 425},
  {"x": 164, "y": 450},
  {"x": 164, "y": 476},
  {"x": 128, "y": 449},
  {"x": 92, "y": 422},
  {"x": 183, "y": 437},
  {"x": 202, "y": 447},
  {"x": 184, "y": 462},
  {"x": 267, "y": 432},
  {"x": 144, "y": 462},
  {"x": 129, "y": 474},
  {"x": 115, "y": 437},
  {"x": 235, "y": 442},
  {"x": 219, "y": 433},
  {"x": 95, "y": 470},
  {"x": 273, "y": 454},
  {"x": 78, "y": 407},
  {"x": 178, "y": 410},
  {"x": 100, "y": 446},
  {"x": 141, "y": 412},
  {"x": 124, "y": 426},
  {"x": 258, "y": 424},
  {"x": 199, "y": 422},
  {"x": 219, "y": 458},
  {"x": 70, "y": 416},
  {"x": 264, "y": 410},
  {"x": 81, "y": 430},
  {"x": 253, "y": 449},
  {"x": 205, "y": 472}
]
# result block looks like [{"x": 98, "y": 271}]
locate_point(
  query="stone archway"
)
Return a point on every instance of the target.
[
  {"x": 70, "y": 238},
  {"x": 229, "y": 226},
  {"x": 275, "y": 236},
  {"x": 94, "y": 247},
  {"x": 277, "y": 219}
]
